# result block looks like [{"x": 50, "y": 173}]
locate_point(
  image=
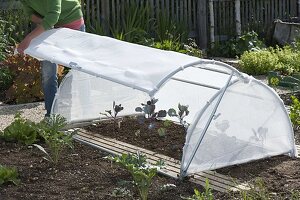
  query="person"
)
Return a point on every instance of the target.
[{"x": 48, "y": 14}]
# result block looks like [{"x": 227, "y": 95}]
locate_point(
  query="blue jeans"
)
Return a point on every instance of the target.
[{"x": 49, "y": 81}]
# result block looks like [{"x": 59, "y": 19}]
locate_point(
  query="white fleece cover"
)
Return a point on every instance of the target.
[{"x": 129, "y": 64}]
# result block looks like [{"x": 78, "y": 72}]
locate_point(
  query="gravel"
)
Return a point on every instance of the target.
[{"x": 32, "y": 111}]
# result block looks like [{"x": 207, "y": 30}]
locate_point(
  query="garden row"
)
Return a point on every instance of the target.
[{"x": 48, "y": 136}]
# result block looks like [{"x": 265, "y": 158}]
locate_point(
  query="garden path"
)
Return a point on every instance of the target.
[{"x": 32, "y": 111}]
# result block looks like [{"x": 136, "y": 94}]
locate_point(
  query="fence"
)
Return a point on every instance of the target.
[
  {"x": 112, "y": 10},
  {"x": 207, "y": 20},
  {"x": 235, "y": 16}
]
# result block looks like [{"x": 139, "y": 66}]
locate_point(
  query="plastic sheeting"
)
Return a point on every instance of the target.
[
  {"x": 129, "y": 64},
  {"x": 250, "y": 124},
  {"x": 228, "y": 125}
]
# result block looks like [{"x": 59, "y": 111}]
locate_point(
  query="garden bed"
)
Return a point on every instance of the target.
[
  {"x": 83, "y": 173},
  {"x": 280, "y": 174}
]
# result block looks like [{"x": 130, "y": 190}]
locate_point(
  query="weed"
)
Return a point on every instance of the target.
[{"x": 8, "y": 175}]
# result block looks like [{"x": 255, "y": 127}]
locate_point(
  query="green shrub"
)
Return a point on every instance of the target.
[
  {"x": 288, "y": 60},
  {"x": 258, "y": 62},
  {"x": 20, "y": 130},
  {"x": 4, "y": 38},
  {"x": 16, "y": 26},
  {"x": 295, "y": 111},
  {"x": 6, "y": 78},
  {"x": 8, "y": 175},
  {"x": 236, "y": 46}
]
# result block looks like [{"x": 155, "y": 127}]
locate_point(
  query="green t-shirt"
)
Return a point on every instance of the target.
[{"x": 53, "y": 12}]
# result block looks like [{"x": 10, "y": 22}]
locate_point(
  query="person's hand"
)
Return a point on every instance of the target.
[{"x": 23, "y": 45}]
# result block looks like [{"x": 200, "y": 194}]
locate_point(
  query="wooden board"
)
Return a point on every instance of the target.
[{"x": 217, "y": 181}]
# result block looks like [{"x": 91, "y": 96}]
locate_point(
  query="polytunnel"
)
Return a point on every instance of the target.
[{"x": 233, "y": 118}]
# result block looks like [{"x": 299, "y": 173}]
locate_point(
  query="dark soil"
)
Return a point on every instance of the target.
[
  {"x": 141, "y": 135},
  {"x": 83, "y": 173}
]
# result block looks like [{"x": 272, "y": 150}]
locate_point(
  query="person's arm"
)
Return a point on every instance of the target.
[
  {"x": 25, "y": 43},
  {"x": 47, "y": 22},
  {"x": 36, "y": 19}
]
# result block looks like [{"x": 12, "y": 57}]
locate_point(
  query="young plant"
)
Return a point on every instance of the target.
[
  {"x": 206, "y": 195},
  {"x": 8, "y": 175},
  {"x": 20, "y": 130},
  {"x": 55, "y": 139},
  {"x": 180, "y": 114},
  {"x": 163, "y": 130},
  {"x": 257, "y": 191},
  {"x": 149, "y": 112},
  {"x": 114, "y": 113},
  {"x": 141, "y": 172}
]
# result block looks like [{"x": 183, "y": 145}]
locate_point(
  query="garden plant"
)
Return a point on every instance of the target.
[
  {"x": 8, "y": 175},
  {"x": 141, "y": 172}
]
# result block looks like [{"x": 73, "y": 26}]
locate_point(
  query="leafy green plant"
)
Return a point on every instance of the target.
[
  {"x": 17, "y": 25},
  {"x": 149, "y": 109},
  {"x": 248, "y": 42},
  {"x": 291, "y": 82},
  {"x": 56, "y": 140},
  {"x": 6, "y": 78},
  {"x": 295, "y": 111},
  {"x": 113, "y": 113},
  {"x": 206, "y": 195},
  {"x": 258, "y": 62},
  {"x": 20, "y": 130},
  {"x": 237, "y": 46},
  {"x": 9, "y": 175},
  {"x": 149, "y": 112},
  {"x": 141, "y": 172},
  {"x": 295, "y": 195},
  {"x": 288, "y": 60},
  {"x": 192, "y": 49},
  {"x": 3, "y": 40},
  {"x": 180, "y": 114},
  {"x": 163, "y": 130},
  {"x": 169, "y": 44}
]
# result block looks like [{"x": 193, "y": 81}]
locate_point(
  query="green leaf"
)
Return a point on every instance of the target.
[{"x": 172, "y": 112}]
